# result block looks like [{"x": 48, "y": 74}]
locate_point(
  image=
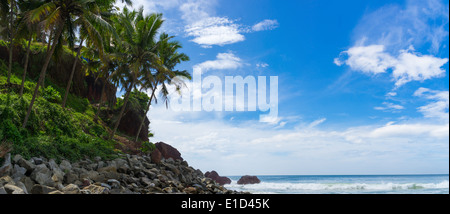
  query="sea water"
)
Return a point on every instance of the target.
[{"x": 345, "y": 184}]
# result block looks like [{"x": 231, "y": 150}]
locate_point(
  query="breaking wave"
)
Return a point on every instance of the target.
[{"x": 273, "y": 187}]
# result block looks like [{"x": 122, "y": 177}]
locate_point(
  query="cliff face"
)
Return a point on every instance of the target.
[
  {"x": 94, "y": 91},
  {"x": 58, "y": 71}
]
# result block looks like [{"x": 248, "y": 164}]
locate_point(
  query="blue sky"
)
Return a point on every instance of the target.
[{"x": 363, "y": 86}]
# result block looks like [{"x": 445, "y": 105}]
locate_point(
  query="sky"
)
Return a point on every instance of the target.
[{"x": 362, "y": 86}]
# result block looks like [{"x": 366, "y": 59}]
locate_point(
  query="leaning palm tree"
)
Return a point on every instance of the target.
[
  {"x": 56, "y": 15},
  {"x": 90, "y": 27},
  {"x": 168, "y": 59},
  {"x": 137, "y": 32},
  {"x": 27, "y": 31},
  {"x": 8, "y": 8}
]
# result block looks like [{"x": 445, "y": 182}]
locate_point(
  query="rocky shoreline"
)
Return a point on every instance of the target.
[{"x": 127, "y": 174}]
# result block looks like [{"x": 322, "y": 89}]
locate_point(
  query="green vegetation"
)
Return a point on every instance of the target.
[
  {"x": 51, "y": 132},
  {"x": 42, "y": 109}
]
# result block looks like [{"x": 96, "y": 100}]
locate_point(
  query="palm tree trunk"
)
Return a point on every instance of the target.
[
  {"x": 42, "y": 75},
  {"x": 125, "y": 102},
  {"x": 48, "y": 49},
  {"x": 25, "y": 67},
  {"x": 146, "y": 111},
  {"x": 11, "y": 35},
  {"x": 101, "y": 100},
  {"x": 71, "y": 75}
]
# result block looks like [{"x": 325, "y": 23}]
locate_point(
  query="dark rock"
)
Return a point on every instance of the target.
[
  {"x": 25, "y": 164},
  {"x": 219, "y": 179},
  {"x": 167, "y": 151},
  {"x": 156, "y": 156},
  {"x": 41, "y": 189},
  {"x": 13, "y": 189},
  {"x": 247, "y": 179}
]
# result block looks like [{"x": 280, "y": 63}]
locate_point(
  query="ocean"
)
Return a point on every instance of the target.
[{"x": 345, "y": 184}]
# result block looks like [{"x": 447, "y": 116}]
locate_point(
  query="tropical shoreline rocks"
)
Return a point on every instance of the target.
[
  {"x": 247, "y": 179},
  {"x": 127, "y": 174},
  {"x": 222, "y": 180}
]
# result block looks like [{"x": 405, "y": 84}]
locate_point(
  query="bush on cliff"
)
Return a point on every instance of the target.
[{"x": 51, "y": 132}]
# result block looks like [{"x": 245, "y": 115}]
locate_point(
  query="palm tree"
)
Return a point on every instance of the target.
[
  {"x": 168, "y": 58},
  {"x": 90, "y": 25},
  {"x": 137, "y": 32},
  {"x": 7, "y": 8},
  {"x": 26, "y": 30},
  {"x": 58, "y": 15}
]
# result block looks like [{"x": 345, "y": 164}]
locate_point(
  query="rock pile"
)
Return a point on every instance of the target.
[{"x": 127, "y": 174}]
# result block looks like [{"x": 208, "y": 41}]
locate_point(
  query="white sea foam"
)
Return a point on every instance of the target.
[{"x": 273, "y": 187}]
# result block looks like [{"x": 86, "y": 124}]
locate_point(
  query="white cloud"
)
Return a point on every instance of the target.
[
  {"x": 214, "y": 31},
  {"x": 317, "y": 122},
  {"x": 220, "y": 144},
  {"x": 438, "y": 108},
  {"x": 389, "y": 107},
  {"x": 223, "y": 61},
  {"x": 406, "y": 67},
  {"x": 369, "y": 59},
  {"x": 262, "y": 65},
  {"x": 196, "y": 10},
  {"x": 411, "y": 130},
  {"x": 419, "y": 23},
  {"x": 265, "y": 25}
]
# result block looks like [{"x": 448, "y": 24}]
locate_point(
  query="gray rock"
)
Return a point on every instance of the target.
[
  {"x": 71, "y": 189},
  {"x": 37, "y": 161},
  {"x": 22, "y": 186},
  {"x": 42, "y": 189},
  {"x": 2, "y": 190},
  {"x": 71, "y": 177},
  {"x": 65, "y": 166},
  {"x": 145, "y": 181},
  {"x": 13, "y": 189},
  {"x": 95, "y": 189},
  {"x": 42, "y": 175},
  {"x": 106, "y": 185},
  {"x": 52, "y": 164},
  {"x": 18, "y": 172},
  {"x": 6, "y": 166},
  {"x": 16, "y": 158},
  {"x": 26, "y": 164},
  {"x": 28, "y": 183},
  {"x": 6, "y": 180}
]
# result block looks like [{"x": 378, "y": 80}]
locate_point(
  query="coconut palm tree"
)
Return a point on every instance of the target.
[
  {"x": 57, "y": 15},
  {"x": 90, "y": 27},
  {"x": 8, "y": 8},
  {"x": 137, "y": 32},
  {"x": 168, "y": 59},
  {"x": 27, "y": 31}
]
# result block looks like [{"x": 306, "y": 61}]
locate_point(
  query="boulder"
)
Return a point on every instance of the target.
[
  {"x": 156, "y": 156},
  {"x": 42, "y": 175},
  {"x": 24, "y": 163},
  {"x": 219, "y": 179},
  {"x": 42, "y": 189},
  {"x": 3, "y": 191},
  {"x": 247, "y": 179},
  {"x": 167, "y": 151},
  {"x": 12, "y": 189},
  {"x": 6, "y": 167},
  {"x": 65, "y": 166},
  {"x": 71, "y": 189}
]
